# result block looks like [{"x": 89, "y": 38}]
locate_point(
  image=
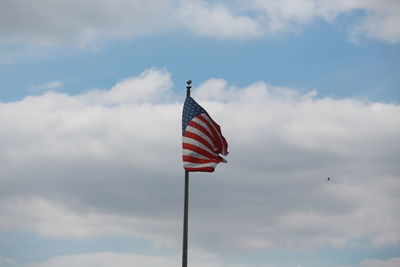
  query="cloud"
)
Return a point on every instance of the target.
[
  {"x": 217, "y": 20},
  {"x": 109, "y": 259},
  {"x": 4, "y": 261},
  {"x": 381, "y": 22},
  {"x": 84, "y": 24},
  {"x": 150, "y": 86},
  {"x": 45, "y": 22},
  {"x": 108, "y": 163},
  {"x": 380, "y": 19},
  {"x": 53, "y": 85},
  {"x": 55, "y": 220},
  {"x": 105, "y": 259},
  {"x": 393, "y": 262}
]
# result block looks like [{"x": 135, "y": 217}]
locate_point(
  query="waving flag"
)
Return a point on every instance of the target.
[{"x": 202, "y": 140}]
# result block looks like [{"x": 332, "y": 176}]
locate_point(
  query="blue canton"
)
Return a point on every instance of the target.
[{"x": 190, "y": 110}]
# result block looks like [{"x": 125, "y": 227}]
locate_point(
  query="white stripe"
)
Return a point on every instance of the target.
[
  {"x": 196, "y": 165},
  {"x": 205, "y": 116},
  {"x": 198, "y": 121},
  {"x": 199, "y": 133},
  {"x": 187, "y": 152},
  {"x": 191, "y": 141}
]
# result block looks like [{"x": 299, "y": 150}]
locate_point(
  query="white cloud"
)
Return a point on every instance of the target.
[
  {"x": 52, "y": 85},
  {"x": 289, "y": 15},
  {"x": 47, "y": 22},
  {"x": 380, "y": 19},
  {"x": 44, "y": 22},
  {"x": 107, "y": 162},
  {"x": 150, "y": 86},
  {"x": 217, "y": 20},
  {"x": 54, "y": 220},
  {"x": 6, "y": 262},
  {"x": 393, "y": 262},
  {"x": 110, "y": 259},
  {"x": 105, "y": 259}
]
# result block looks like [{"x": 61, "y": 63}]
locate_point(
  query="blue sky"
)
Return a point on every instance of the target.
[
  {"x": 320, "y": 57},
  {"x": 90, "y": 107}
]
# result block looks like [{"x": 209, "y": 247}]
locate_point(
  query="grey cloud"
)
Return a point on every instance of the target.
[
  {"x": 76, "y": 22},
  {"x": 391, "y": 262},
  {"x": 115, "y": 169},
  {"x": 45, "y": 22},
  {"x": 108, "y": 259}
]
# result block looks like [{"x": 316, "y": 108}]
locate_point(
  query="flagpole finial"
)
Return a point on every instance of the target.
[{"x": 188, "y": 87}]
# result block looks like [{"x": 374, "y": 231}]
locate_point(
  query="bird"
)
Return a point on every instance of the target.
[{"x": 329, "y": 178}]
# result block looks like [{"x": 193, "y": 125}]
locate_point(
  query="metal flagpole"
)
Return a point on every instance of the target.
[
  {"x": 185, "y": 222},
  {"x": 186, "y": 205}
]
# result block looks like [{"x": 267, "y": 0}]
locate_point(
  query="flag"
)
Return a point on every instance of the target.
[{"x": 202, "y": 140}]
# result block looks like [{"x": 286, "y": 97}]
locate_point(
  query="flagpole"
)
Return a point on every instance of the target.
[{"x": 186, "y": 204}]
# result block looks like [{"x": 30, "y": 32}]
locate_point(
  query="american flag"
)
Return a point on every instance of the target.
[{"x": 202, "y": 140}]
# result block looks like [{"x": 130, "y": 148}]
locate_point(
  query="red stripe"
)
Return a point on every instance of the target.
[
  {"x": 203, "y": 130},
  {"x": 199, "y": 161},
  {"x": 199, "y": 139},
  {"x": 224, "y": 143},
  {"x": 214, "y": 133},
  {"x": 202, "y": 169},
  {"x": 201, "y": 151}
]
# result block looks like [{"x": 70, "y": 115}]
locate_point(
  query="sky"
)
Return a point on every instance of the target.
[{"x": 91, "y": 96}]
